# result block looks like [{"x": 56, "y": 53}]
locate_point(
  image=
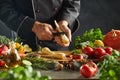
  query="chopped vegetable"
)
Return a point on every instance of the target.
[
  {"x": 26, "y": 62},
  {"x": 27, "y": 48}
]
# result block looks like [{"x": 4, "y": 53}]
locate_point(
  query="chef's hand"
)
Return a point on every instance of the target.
[
  {"x": 63, "y": 25},
  {"x": 43, "y": 31}
]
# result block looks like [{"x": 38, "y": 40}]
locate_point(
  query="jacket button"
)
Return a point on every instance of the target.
[
  {"x": 37, "y": 11},
  {"x": 55, "y": 9}
]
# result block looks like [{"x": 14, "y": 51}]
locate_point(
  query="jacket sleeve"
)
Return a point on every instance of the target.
[
  {"x": 15, "y": 20},
  {"x": 70, "y": 11}
]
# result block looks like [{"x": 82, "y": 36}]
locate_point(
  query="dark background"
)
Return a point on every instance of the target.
[
  {"x": 99, "y": 13},
  {"x": 104, "y": 14}
]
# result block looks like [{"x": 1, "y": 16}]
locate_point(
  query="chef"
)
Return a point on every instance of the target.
[{"x": 33, "y": 20}]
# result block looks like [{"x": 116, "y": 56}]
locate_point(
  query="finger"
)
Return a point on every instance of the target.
[
  {"x": 43, "y": 36},
  {"x": 49, "y": 33},
  {"x": 46, "y": 35},
  {"x": 67, "y": 31},
  {"x": 59, "y": 42},
  {"x": 50, "y": 28},
  {"x": 63, "y": 28},
  {"x": 54, "y": 31},
  {"x": 69, "y": 35}
]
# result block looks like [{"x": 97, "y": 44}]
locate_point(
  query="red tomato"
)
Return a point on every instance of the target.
[
  {"x": 77, "y": 56},
  {"x": 99, "y": 52},
  {"x": 89, "y": 69},
  {"x": 108, "y": 50},
  {"x": 89, "y": 51},
  {"x": 3, "y": 49},
  {"x": 2, "y": 63}
]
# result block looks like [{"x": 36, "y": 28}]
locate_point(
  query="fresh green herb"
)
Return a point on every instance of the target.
[
  {"x": 77, "y": 42},
  {"x": 76, "y": 51},
  {"x": 38, "y": 48},
  {"x": 115, "y": 53},
  {"x": 81, "y": 45},
  {"x": 90, "y": 35},
  {"x": 36, "y": 62},
  {"x": 22, "y": 73},
  {"x": 41, "y": 64},
  {"x": 18, "y": 39},
  {"x": 109, "y": 67},
  {"x": 4, "y": 40}
]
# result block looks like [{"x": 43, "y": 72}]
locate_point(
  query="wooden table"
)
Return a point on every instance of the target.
[{"x": 65, "y": 75}]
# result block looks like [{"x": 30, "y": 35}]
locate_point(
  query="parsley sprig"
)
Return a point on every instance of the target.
[
  {"x": 109, "y": 68},
  {"x": 89, "y": 35}
]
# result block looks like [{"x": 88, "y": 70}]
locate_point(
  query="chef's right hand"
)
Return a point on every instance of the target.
[{"x": 43, "y": 31}]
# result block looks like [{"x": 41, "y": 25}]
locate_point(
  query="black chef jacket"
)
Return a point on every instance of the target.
[{"x": 20, "y": 15}]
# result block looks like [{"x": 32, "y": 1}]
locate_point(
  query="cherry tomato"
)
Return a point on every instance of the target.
[
  {"x": 77, "y": 56},
  {"x": 3, "y": 49},
  {"x": 99, "y": 52},
  {"x": 89, "y": 51},
  {"x": 108, "y": 50},
  {"x": 2, "y": 63},
  {"x": 89, "y": 69}
]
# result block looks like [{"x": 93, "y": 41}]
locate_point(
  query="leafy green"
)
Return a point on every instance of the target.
[
  {"x": 18, "y": 39},
  {"x": 4, "y": 40},
  {"x": 89, "y": 35},
  {"x": 92, "y": 35},
  {"x": 22, "y": 73},
  {"x": 38, "y": 48},
  {"x": 115, "y": 53},
  {"x": 36, "y": 62},
  {"x": 41, "y": 64},
  {"x": 109, "y": 68},
  {"x": 76, "y": 51}
]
